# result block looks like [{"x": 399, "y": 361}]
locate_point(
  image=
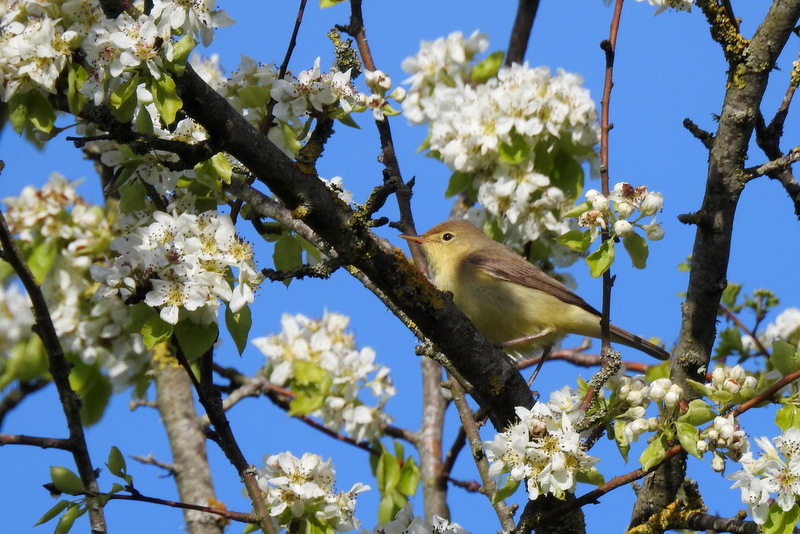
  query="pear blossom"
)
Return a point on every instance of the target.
[
  {"x": 296, "y": 488},
  {"x": 182, "y": 261},
  {"x": 326, "y": 344}
]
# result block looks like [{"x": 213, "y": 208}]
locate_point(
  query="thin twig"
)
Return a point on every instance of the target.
[
  {"x": 471, "y": 430},
  {"x": 59, "y": 370}
]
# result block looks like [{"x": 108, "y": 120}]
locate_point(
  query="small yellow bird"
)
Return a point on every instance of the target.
[{"x": 506, "y": 297}]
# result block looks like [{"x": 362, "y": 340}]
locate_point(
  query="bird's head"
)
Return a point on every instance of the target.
[{"x": 449, "y": 242}]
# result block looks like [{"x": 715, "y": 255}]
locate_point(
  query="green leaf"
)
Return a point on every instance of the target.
[
  {"x": 730, "y": 342},
  {"x": 304, "y": 404},
  {"x": 388, "y": 473},
  {"x": 195, "y": 339},
  {"x": 576, "y": 240},
  {"x": 166, "y": 98},
  {"x": 180, "y": 54},
  {"x": 76, "y": 77},
  {"x": 41, "y": 259},
  {"x": 601, "y": 259},
  {"x": 52, "y": 512},
  {"x": 507, "y": 490},
  {"x": 459, "y": 181},
  {"x": 140, "y": 314},
  {"x": 621, "y": 440},
  {"x": 515, "y": 152},
  {"x": 155, "y": 331},
  {"x": 386, "y": 509},
  {"x": 687, "y": 435},
  {"x": 567, "y": 174},
  {"x": 18, "y": 111},
  {"x": 699, "y": 413},
  {"x": 133, "y": 196},
  {"x": 254, "y": 96},
  {"x": 66, "y": 481},
  {"x": 409, "y": 477},
  {"x": 123, "y": 101},
  {"x": 636, "y": 246},
  {"x": 250, "y": 527},
  {"x": 29, "y": 359},
  {"x": 94, "y": 388},
  {"x": 144, "y": 122},
  {"x": 329, "y": 3},
  {"x": 591, "y": 476},
  {"x": 116, "y": 462},
  {"x": 780, "y": 522},
  {"x": 730, "y": 294},
  {"x": 238, "y": 325},
  {"x": 654, "y": 453},
  {"x": 787, "y": 417},
  {"x": 288, "y": 254},
  {"x": 577, "y": 210},
  {"x": 222, "y": 167},
  {"x": 65, "y": 523},
  {"x": 487, "y": 69},
  {"x": 784, "y": 357},
  {"x": 40, "y": 112},
  {"x": 307, "y": 372}
]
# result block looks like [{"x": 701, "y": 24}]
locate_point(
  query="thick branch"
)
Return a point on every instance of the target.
[{"x": 496, "y": 383}]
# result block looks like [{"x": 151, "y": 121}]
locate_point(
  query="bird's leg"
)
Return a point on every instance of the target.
[
  {"x": 523, "y": 339},
  {"x": 545, "y": 354}
]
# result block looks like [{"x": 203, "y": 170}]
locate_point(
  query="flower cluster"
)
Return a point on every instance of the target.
[
  {"x": 543, "y": 448},
  {"x": 323, "y": 348},
  {"x": 725, "y": 438},
  {"x": 65, "y": 235},
  {"x": 405, "y": 522},
  {"x": 297, "y": 99},
  {"x": 661, "y": 391},
  {"x": 507, "y": 135},
  {"x": 297, "y": 489},
  {"x": 180, "y": 262},
  {"x": 38, "y": 38},
  {"x": 622, "y": 210},
  {"x": 771, "y": 473}
]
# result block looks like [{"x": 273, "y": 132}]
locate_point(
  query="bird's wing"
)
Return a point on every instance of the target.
[{"x": 528, "y": 275}]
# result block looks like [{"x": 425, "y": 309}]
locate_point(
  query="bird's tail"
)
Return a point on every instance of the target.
[{"x": 618, "y": 335}]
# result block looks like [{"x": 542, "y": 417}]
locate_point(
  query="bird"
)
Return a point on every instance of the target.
[{"x": 510, "y": 301}]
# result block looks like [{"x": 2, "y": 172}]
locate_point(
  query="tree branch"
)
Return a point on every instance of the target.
[{"x": 59, "y": 370}]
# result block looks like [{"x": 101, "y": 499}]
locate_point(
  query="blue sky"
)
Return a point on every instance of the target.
[{"x": 667, "y": 69}]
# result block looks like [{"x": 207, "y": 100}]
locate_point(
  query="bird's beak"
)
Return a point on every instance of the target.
[{"x": 414, "y": 238}]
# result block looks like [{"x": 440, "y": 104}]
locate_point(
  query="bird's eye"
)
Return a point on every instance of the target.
[{"x": 447, "y": 237}]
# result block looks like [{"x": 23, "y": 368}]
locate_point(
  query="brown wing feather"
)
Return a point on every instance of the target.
[{"x": 528, "y": 275}]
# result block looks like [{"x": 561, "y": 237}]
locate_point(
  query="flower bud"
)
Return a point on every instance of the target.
[
  {"x": 625, "y": 209},
  {"x": 702, "y": 445},
  {"x": 623, "y": 228},
  {"x": 718, "y": 464}
]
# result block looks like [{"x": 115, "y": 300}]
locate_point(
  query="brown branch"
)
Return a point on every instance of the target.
[
  {"x": 233, "y": 516},
  {"x": 59, "y": 370},
  {"x": 34, "y": 441},
  {"x": 471, "y": 430},
  {"x": 521, "y": 31},
  {"x": 209, "y": 398},
  {"x": 307, "y": 196}
]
